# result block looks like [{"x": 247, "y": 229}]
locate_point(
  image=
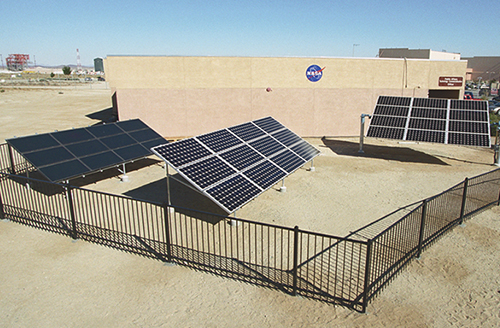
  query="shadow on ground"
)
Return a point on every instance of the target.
[
  {"x": 104, "y": 116},
  {"x": 182, "y": 198},
  {"x": 401, "y": 154}
]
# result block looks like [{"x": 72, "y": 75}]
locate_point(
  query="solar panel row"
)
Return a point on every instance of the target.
[
  {"x": 460, "y": 122},
  {"x": 234, "y": 165},
  {"x": 67, "y": 154}
]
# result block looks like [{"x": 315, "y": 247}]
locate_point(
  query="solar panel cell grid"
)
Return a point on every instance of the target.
[
  {"x": 239, "y": 166},
  {"x": 391, "y": 111},
  {"x": 247, "y": 131},
  {"x": 287, "y": 137},
  {"x": 242, "y": 157},
  {"x": 267, "y": 146},
  {"x": 432, "y": 120},
  {"x": 268, "y": 124},
  {"x": 265, "y": 174},
  {"x": 207, "y": 171},
  {"x": 219, "y": 140},
  {"x": 234, "y": 192}
]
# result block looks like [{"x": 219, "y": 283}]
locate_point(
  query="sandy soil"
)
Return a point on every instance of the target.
[{"x": 47, "y": 280}]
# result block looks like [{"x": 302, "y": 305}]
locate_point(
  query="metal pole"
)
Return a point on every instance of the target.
[
  {"x": 422, "y": 226},
  {"x": 362, "y": 132},
  {"x": 367, "y": 275},
  {"x": 11, "y": 157},
  {"x": 497, "y": 149},
  {"x": 168, "y": 185},
  {"x": 69, "y": 194},
  {"x": 464, "y": 200},
  {"x": 166, "y": 213},
  {"x": 295, "y": 258}
]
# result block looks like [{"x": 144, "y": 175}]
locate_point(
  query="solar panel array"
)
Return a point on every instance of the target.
[
  {"x": 234, "y": 165},
  {"x": 67, "y": 154},
  {"x": 448, "y": 121}
]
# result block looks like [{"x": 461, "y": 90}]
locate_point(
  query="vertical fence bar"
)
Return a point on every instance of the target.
[
  {"x": 367, "y": 274},
  {"x": 295, "y": 258},
  {"x": 464, "y": 200},
  {"x": 2, "y": 213},
  {"x": 11, "y": 158},
  {"x": 166, "y": 214},
  {"x": 422, "y": 227},
  {"x": 69, "y": 194}
]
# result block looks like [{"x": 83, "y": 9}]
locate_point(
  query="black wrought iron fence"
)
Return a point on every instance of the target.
[{"x": 345, "y": 271}]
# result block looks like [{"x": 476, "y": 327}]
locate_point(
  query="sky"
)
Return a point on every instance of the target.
[{"x": 51, "y": 31}]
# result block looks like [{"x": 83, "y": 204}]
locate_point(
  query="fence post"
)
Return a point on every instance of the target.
[
  {"x": 69, "y": 194},
  {"x": 11, "y": 158},
  {"x": 367, "y": 274},
  {"x": 422, "y": 227},
  {"x": 2, "y": 213},
  {"x": 295, "y": 258},
  {"x": 464, "y": 200},
  {"x": 166, "y": 214}
]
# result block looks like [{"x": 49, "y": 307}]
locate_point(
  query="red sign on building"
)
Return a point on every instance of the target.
[{"x": 451, "y": 81}]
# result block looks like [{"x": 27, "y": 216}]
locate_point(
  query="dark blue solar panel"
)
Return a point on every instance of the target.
[
  {"x": 87, "y": 148},
  {"x": 104, "y": 130},
  {"x": 288, "y": 161},
  {"x": 145, "y": 135},
  {"x": 267, "y": 146},
  {"x": 305, "y": 150},
  {"x": 265, "y": 174},
  {"x": 287, "y": 137},
  {"x": 64, "y": 170},
  {"x": 48, "y": 156},
  {"x": 132, "y": 152},
  {"x": 35, "y": 142},
  {"x": 242, "y": 157},
  {"x": 101, "y": 160},
  {"x": 72, "y": 136},
  {"x": 66, "y": 154},
  {"x": 117, "y": 141},
  {"x": 182, "y": 152},
  {"x": 219, "y": 140},
  {"x": 234, "y": 193},
  {"x": 247, "y": 131},
  {"x": 207, "y": 171},
  {"x": 268, "y": 124},
  {"x": 132, "y": 125}
]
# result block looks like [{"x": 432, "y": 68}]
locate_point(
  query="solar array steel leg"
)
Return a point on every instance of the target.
[
  {"x": 124, "y": 176},
  {"x": 312, "y": 169},
  {"x": 283, "y": 188}
]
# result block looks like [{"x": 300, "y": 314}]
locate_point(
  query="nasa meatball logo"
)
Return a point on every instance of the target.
[{"x": 314, "y": 73}]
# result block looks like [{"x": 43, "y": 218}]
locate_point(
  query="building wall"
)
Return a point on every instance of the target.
[{"x": 186, "y": 96}]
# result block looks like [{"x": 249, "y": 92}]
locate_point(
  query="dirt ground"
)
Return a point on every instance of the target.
[{"x": 48, "y": 280}]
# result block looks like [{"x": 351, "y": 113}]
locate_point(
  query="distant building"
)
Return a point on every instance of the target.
[
  {"x": 417, "y": 54},
  {"x": 98, "y": 64},
  {"x": 483, "y": 68}
]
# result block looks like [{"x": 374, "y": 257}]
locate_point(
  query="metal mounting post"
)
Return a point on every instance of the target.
[
  {"x": 362, "y": 132},
  {"x": 283, "y": 188}
]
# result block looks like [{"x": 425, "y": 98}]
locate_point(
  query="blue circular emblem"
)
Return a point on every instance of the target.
[{"x": 314, "y": 73}]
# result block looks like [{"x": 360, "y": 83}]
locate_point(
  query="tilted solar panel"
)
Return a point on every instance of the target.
[
  {"x": 448, "y": 121},
  {"x": 63, "y": 155},
  {"x": 233, "y": 166}
]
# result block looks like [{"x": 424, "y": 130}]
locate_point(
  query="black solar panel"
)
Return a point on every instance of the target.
[
  {"x": 234, "y": 165},
  {"x": 63, "y": 155},
  {"x": 449, "y": 121}
]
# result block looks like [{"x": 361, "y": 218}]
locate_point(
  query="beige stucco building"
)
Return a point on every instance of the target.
[{"x": 186, "y": 96}]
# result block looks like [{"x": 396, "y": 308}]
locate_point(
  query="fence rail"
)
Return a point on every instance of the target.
[{"x": 339, "y": 270}]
